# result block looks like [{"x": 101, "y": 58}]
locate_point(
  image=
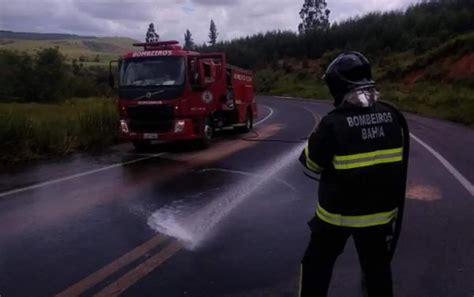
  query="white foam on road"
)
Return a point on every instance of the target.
[{"x": 192, "y": 229}]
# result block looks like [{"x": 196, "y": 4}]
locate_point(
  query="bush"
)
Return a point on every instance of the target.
[
  {"x": 46, "y": 77},
  {"x": 49, "y": 80},
  {"x": 16, "y": 75}
]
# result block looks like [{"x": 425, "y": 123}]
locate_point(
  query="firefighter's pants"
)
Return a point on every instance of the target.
[{"x": 327, "y": 243}]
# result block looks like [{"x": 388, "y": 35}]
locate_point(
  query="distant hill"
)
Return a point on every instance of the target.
[
  {"x": 87, "y": 49},
  {"x": 38, "y": 36}
]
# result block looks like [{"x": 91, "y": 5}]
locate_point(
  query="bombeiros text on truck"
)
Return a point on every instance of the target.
[{"x": 168, "y": 94}]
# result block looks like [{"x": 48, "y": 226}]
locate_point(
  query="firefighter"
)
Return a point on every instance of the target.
[{"x": 358, "y": 150}]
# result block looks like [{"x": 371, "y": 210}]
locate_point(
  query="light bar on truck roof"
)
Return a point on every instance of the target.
[{"x": 159, "y": 43}]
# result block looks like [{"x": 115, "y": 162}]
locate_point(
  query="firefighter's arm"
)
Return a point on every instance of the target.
[{"x": 319, "y": 151}]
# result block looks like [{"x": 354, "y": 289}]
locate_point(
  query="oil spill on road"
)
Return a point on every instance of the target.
[{"x": 423, "y": 192}]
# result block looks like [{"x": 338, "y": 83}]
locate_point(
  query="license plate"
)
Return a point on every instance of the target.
[{"x": 150, "y": 136}]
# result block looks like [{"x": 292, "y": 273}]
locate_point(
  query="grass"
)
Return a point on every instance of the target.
[
  {"x": 440, "y": 100},
  {"x": 33, "y": 131},
  {"x": 304, "y": 84}
]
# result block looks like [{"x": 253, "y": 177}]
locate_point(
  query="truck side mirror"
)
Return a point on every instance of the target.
[
  {"x": 111, "y": 80},
  {"x": 111, "y": 75}
]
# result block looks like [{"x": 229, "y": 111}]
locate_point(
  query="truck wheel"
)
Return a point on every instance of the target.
[
  {"x": 248, "y": 122},
  {"x": 208, "y": 132},
  {"x": 141, "y": 145}
]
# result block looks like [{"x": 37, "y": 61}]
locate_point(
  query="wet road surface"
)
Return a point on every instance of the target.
[{"x": 228, "y": 221}]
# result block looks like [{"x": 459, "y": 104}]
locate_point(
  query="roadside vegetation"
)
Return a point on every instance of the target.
[
  {"x": 31, "y": 130},
  {"x": 439, "y": 83},
  {"x": 47, "y": 77},
  {"x": 49, "y": 107}
]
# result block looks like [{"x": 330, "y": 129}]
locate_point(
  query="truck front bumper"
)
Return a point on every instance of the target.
[{"x": 182, "y": 129}]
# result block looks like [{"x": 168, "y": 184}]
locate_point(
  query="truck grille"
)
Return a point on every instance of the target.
[{"x": 156, "y": 118}]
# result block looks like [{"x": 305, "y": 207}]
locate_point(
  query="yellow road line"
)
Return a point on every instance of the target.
[
  {"x": 109, "y": 269},
  {"x": 119, "y": 286}
]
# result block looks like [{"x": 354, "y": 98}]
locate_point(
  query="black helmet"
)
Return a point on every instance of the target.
[{"x": 350, "y": 70}]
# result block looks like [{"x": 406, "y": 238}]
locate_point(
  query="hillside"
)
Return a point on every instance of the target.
[
  {"x": 438, "y": 82},
  {"x": 87, "y": 49}
]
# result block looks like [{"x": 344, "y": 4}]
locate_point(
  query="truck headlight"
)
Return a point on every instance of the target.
[
  {"x": 179, "y": 126},
  {"x": 124, "y": 126}
]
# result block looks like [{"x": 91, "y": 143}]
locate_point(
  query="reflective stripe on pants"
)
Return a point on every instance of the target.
[{"x": 356, "y": 221}]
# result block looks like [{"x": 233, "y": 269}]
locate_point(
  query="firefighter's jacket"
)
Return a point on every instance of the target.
[{"x": 358, "y": 151}]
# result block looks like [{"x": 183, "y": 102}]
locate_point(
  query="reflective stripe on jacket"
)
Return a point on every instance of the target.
[
  {"x": 368, "y": 159},
  {"x": 310, "y": 164}
]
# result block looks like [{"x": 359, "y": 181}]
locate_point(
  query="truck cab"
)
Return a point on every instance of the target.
[{"x": 168, "y": 94}]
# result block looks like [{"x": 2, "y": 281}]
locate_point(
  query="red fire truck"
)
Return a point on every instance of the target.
[{"x": 168, "y": 94}]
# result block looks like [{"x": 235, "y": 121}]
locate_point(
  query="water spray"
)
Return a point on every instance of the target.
[{"x": 193, "y": 229}]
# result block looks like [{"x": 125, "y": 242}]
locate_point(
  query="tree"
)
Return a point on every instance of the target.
[
  {"x": 213, "y": 33},
  {"x": 314, "y": 16},
  {"x": 16, "y": 74},
  {"x": 188, "y": 40},
  {"x": 151, "y": 35},
  {"x": 50, "y": 75}
]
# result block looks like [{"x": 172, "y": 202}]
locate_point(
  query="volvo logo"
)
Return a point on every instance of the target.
[{"x": 148, "y": 95}]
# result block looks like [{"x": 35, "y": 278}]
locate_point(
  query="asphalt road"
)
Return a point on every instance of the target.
[{"x": 229, "y": 221}]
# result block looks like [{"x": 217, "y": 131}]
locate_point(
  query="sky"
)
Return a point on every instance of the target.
[{"x": 233, "y": 18}]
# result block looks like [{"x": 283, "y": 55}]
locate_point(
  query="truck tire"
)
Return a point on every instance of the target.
[
  {"x": 141, "y": 145},
  {"x": 248, "y": 122},
  {"x": 208, "y": 133}
]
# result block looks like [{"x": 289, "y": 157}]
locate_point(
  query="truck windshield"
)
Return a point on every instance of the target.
[{"x": 155, "y": 71}]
